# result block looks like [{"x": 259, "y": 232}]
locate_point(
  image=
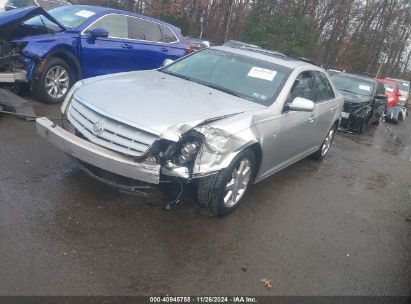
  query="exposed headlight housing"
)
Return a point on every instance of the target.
[
  {"x": 69, "y": 96},
  {"x": 188, "y": 152}
]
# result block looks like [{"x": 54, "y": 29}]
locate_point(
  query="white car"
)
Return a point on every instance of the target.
[{"x": 222, "y": 117}]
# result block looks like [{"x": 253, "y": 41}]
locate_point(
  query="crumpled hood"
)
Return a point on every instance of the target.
[
  {"x": 354, "y": 98},
  {"x": 10, "y": 21},
  {"x": 157, "y": 102}
]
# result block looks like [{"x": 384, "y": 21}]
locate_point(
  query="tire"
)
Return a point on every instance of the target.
[
  {"x": 211, "y": 190},
  {"x": 50, "y": 88},
  {"x": 321, "y": 153}
]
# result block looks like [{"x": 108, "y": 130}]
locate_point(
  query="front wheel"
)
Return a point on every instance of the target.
[
  {"x": 221, "y": 193},
  {"x": 325, "y": 146},
  {"x": 54, "y": 81}
]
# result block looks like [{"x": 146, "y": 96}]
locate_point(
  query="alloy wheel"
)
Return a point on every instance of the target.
[
  {"x": 327, "y": 142},
  {"x": 57, "y": 81},
  {"x": 236, "y": 186}
]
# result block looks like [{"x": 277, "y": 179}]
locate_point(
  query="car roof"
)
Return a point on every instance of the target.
[
  {"x": 196, "y": 39},
  {"x": 100, "y": 10},
  {"x": 397, "y": 79},
  {"x": 94, "y": 8},
  {"x": 267, "y": 55},
  {"x": 355, "y": 76},
  {"x": 387, "y": 80}
]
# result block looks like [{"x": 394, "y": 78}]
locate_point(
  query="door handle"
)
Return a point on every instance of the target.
[
  {"x": 126, "y": 46},
  {"x": 333, "y": 109},
  {"x": 163, "y": 49}
]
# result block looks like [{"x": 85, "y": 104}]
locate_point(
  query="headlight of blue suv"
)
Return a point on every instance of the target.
[{"x": 69, "y": 96}]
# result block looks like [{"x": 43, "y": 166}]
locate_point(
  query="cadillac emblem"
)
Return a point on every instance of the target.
[{"x": 98, "y": 128}]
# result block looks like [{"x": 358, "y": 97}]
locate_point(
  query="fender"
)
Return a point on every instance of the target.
[
  {"x": 60, "y": 53},
  {"x": 221, "y": 146}
]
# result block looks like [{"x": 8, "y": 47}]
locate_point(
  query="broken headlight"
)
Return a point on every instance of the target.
[
  {"x": 184, "y": 152},
  {"x": 188, "y": 151}
]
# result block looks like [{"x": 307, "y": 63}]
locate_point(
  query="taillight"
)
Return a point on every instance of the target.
[
  {"x": 189, "y": 49},
  {"x": 392, "y": 101}
]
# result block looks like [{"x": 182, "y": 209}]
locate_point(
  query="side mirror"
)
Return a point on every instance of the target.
[
  {"x": 166, "y": 62},
  {"x": 98, "y": 33},
  {"x": 380, "y": 96},
  {"x": 399, "y": 94},
  {"x": 301, "y": 104}
]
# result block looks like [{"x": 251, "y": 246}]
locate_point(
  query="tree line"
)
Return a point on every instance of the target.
[{"x": 361, "y": 36}]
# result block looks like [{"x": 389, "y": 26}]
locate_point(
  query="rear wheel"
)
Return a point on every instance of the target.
[
  {"x": 222, "y": 193},
  {"x": 54, "y": 81},
  {"x": 325, "y": 146}
]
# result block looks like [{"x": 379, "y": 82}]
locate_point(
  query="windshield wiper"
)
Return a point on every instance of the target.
[
  {"x": 178, "y": 75},
  {"x": 347, "y": 91},
  {"x": 222, "y": 89}
]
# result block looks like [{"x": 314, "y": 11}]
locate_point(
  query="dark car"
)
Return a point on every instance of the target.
[
  {"x": 364, "y": 101},
  {"x": 198, "y": 43},
  {"x": 46, "y": 4},
  {"x": 239, "y": 44},
  {"x": 68, "y": 43}
]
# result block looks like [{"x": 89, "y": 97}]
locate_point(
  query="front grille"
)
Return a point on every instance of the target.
[{"x": 115, "y": 136}]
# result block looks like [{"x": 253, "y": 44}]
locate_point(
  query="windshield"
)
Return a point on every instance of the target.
[
  {"x": 389, "y": 87},
  {"x": 20, "y": 3},
  {"x": 353, "y": 85},
  {"x": 68, "y": 16},
  {"x": 404, "y": 86},
  {"x": 256, "y": 80}
]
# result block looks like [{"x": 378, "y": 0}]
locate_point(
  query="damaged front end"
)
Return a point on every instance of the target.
[
  {"x": 12, "y": 63},
  {"x": 16, "y": 64},
  {"x": 354, "y": 116},
  {"x": 131, "y": 157}
]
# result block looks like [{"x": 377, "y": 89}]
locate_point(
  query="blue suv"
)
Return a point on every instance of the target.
[{"x": 52, "y": 50}]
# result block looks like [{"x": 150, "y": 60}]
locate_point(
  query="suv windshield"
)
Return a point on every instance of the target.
[
  {"x": 242, "y": 76},
  {"x": 353, "y": 85},
  {"x": 404, "y": 86},
  {"x": 389, "y": 87},
  {"x": 68, "y": 16}
]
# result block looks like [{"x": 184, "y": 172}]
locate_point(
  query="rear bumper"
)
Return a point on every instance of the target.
[{"x": 97, "y": 156}]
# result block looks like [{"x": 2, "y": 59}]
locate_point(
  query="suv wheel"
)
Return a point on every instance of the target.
[
  {"x": 222, "y": 193},
  {"x": 54, "y": 81},
  {"x": 325, "y": 147}
]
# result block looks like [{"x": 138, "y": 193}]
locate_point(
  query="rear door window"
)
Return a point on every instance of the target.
[
  {"x": 116, "y": 25},
  {"x": 323, "y": 89},
  {"x": 167, "y": 34},
  {"x": 141, "y": 29}
]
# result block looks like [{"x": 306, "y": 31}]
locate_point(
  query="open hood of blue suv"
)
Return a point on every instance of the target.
[{"x": 11, "y": 21}]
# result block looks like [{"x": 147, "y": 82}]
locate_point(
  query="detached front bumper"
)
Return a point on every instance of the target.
[
  {"x": 97, "y": 156},
  {"x": 12, "y": 77}
]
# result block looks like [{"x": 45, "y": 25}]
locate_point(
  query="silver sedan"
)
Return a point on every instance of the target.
[{"x": 222, "y": 117}]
